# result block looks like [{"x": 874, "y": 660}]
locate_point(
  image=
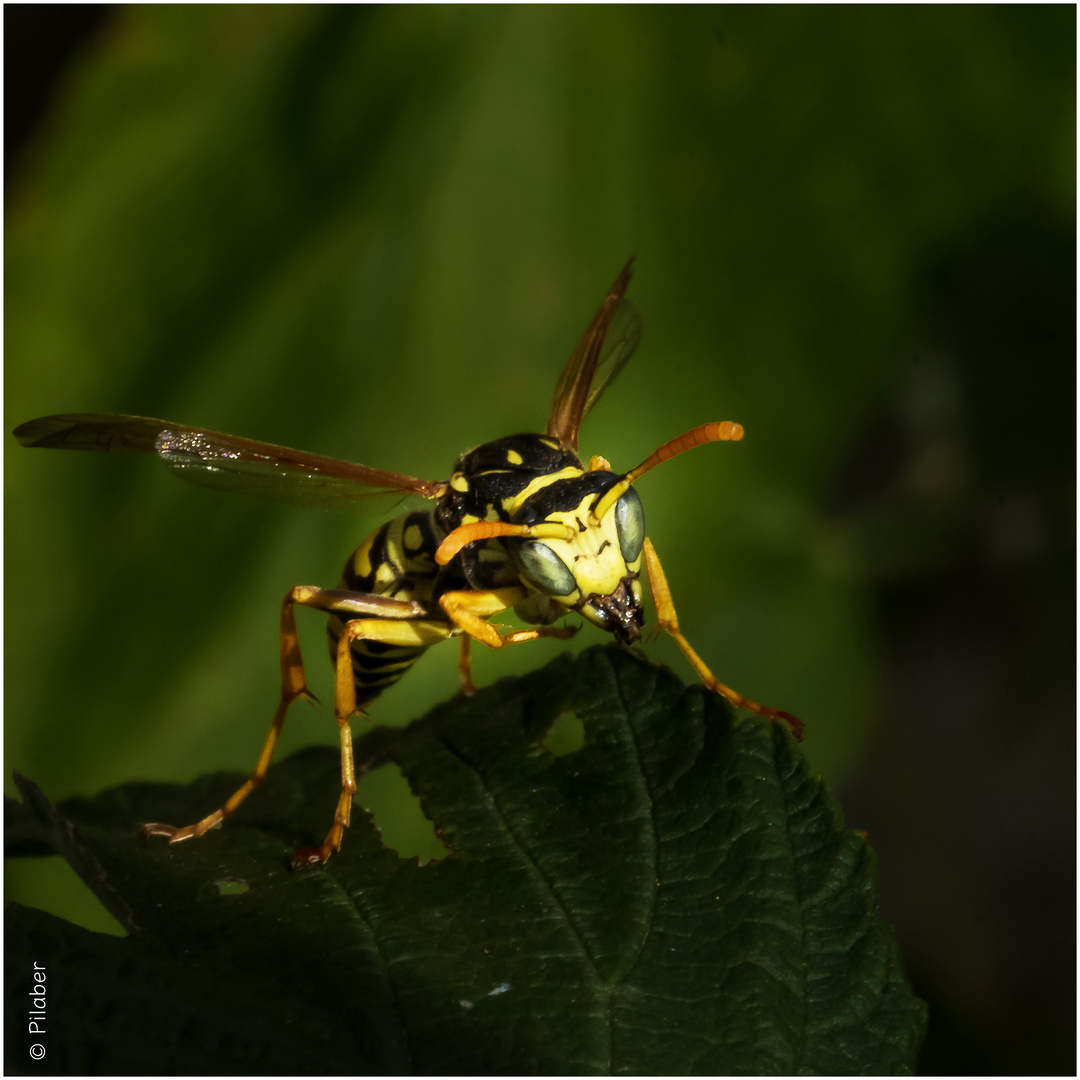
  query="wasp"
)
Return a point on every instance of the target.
[{"x": 522, "y": 523}]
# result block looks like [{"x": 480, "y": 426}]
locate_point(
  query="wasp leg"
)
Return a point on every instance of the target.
[
  {"x": 668, "y": 620},
  {"x": 389, "y": 631},
  {"x": 469, "y": 611},
  {"x": 538, "y": 632},
  {"x": 468, "y": 687},
  {"x": 293, "y": 686}
]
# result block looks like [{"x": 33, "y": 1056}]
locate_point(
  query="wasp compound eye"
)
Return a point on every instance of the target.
[
  {"x": 545, "y": 569},
  {"x": 630, "y": 524}
]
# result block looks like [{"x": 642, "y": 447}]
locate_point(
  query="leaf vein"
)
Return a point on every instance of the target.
[
  {"x": 384, "y": 960},
  {"x": 527, "y": 857},
  {"x": 628, "y": 968}
]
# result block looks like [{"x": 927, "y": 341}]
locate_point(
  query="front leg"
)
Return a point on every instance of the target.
[
  {"x": 469, "y": 611},
  {"x": 467, "y": 687},
  {"x": 668, "y": 620}
]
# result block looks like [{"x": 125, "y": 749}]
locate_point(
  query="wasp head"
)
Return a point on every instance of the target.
[{"x": 594, "y": 571}]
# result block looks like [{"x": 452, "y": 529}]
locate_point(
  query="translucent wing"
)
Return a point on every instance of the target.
[
  {"x": 622, "y": 340},
  {"x": 607, "y": 344},
  {"x": 225, "y": 461}
]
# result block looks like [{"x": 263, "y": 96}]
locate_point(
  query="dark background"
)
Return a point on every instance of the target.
[{"x": 377, "y": 233}]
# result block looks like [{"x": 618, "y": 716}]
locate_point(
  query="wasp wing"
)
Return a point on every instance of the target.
[
  {"x": 225, "y": 461},
  {"x": 604, "y": 348},
  {"x": 622, "y": 340}
]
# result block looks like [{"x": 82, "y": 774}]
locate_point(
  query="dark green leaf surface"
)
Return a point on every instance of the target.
[{"x": 678, "y": 896}]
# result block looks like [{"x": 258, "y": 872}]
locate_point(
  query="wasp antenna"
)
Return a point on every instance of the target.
[
  {"x": 464, "y": 535},
  {"x": 721, "y": 431}
]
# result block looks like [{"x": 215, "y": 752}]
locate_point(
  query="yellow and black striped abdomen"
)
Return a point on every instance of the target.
[{"x": 397, "y": 560}]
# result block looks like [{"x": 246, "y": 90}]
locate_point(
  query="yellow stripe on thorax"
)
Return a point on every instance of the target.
[{"x": 513, "y": 503}]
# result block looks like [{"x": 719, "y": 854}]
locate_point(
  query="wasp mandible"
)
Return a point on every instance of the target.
[{"x": 521, "y": 523}]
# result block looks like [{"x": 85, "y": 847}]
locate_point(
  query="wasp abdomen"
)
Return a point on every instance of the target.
[{"x": 396, "y": 560}]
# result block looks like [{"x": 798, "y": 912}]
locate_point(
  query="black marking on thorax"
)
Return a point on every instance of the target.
[
  {"x": 562, "y": 496},
  {"x": 497, "y": 471}
]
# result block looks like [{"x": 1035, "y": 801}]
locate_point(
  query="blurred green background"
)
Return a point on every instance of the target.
[{"x": 376, "y": 233}]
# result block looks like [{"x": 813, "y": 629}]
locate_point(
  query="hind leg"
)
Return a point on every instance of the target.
[
  {"x": 388, "y": 631},
  {"x": 293, "y": 686}
]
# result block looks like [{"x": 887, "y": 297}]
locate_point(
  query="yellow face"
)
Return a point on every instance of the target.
[{"x": 595, "y": 572}]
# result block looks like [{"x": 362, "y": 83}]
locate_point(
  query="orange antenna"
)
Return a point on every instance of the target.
[
  {"x": 721, "y": 431},
  {"x": 485, "y": 530}
]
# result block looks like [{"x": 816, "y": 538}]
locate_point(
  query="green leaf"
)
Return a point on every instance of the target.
[{"x": 676, "y": 896}]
